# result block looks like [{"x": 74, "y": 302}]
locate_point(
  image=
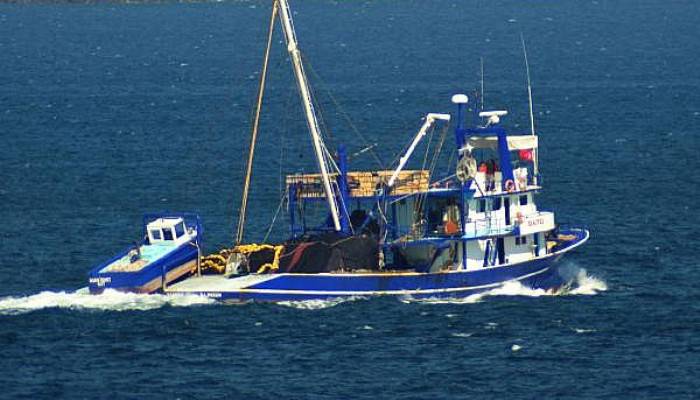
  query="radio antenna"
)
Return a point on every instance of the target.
[
  {"x": 529, "y": 85},
  {"x": 535, "y": 160}
]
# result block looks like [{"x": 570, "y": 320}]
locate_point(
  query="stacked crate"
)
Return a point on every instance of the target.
[{"x": 363, "y": 183}]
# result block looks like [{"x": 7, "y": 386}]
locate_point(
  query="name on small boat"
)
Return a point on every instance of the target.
[{"x": 101, "y": 281}]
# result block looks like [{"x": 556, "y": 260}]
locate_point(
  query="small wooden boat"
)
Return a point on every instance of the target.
[{"x": 168, "y": 252}]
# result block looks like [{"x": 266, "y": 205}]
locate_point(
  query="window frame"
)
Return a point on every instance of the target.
[
  {"x": 168, "y": 235},
  {"x": 179, "y": 230}
]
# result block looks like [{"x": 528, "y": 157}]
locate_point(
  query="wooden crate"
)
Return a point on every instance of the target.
[{"x": 363, "y": 183}]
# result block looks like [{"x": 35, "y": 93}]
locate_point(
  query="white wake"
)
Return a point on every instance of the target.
[
  {"x": 580, "y": 283},
  {"x": 110, "y": 300},
  {"x": 319, "y": 304}
]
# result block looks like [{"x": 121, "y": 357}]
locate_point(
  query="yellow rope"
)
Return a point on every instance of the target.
[
  {"x": 217, "y": 261},
  {"x": 253, "y": 248}
]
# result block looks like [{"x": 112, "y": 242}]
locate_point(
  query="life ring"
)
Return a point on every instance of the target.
[{"x": 510, "y": 185}]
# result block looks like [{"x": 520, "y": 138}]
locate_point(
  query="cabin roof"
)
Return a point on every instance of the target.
[
  {"x": 515, "y": 142},
  {"x": 166, "y": 223}
]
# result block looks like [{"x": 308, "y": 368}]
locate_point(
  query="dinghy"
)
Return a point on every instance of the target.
[{"x": 168, "y": 251}]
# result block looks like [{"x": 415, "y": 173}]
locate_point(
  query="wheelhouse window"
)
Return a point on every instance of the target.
[
  {"x": 167, "y": 234},
  {"x": 482, "y": 205},
  {"x": 523, "y": 200},
  {"x": 520, "y": 240},
  {"x": 155, "y": 234},
  {"x": 443, "y": 216},
  {"x": 179, "y": 230},
  {"x": 496, "y": 204}
]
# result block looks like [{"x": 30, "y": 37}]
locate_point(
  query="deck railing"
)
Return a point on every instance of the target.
[{"x": 472, "y": 229}]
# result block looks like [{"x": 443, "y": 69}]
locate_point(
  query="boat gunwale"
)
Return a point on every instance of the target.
[{"x": 389, "y": 273}]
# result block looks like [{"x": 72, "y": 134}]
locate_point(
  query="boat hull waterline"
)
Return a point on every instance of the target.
[{"x": 541, "y": 273}]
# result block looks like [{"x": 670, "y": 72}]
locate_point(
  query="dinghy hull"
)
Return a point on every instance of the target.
[{"x": 168, "y": 253}]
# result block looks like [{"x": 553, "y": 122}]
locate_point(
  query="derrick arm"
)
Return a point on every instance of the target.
[{"x": 429, "y": 120}]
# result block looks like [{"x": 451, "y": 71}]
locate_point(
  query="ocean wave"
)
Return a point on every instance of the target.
[{"x": 110, "y": 300}]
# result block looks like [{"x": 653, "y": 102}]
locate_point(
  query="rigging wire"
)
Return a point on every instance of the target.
[
  {"x": 449, "y": 162},
  {"x": 345, "y": 115},
  {"x": 438, "y": 151},
  {"x": 274, "y": 218},
  {"x": 285, "y": 123},
  {"x": 418, "y": 205},
  {"x": 323, "y": 127}
]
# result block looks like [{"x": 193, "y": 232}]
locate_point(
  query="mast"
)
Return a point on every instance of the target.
[
  {"x": 304, "y": 92},
  {"x": 254, "y": 129}
]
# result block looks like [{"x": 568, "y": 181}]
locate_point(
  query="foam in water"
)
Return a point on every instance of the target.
[
  {"x": 318, "y": 304},
  {"x": 110, "y": 300},
  {"x": 580, "y": 283},
  {"x": 587, "y": 284}
]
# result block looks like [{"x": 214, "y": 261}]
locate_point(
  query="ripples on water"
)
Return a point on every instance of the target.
[{"x": 108, "y": 111}]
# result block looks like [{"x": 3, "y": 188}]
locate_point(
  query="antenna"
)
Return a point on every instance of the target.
[
  {"x": 529, "y": 85},
  {"x": 536, "y": 171}
]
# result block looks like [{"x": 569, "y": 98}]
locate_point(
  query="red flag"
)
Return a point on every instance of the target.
[{"x": 525, "y": 154}]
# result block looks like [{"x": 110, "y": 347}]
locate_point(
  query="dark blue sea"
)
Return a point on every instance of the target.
[{"x": 108, "y": 111}]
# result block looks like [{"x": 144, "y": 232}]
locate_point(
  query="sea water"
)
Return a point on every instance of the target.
[{"x": 108, "y": 111}]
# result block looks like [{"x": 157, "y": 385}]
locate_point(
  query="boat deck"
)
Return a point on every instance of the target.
[
  {"x": 217, "y": 283},
  {"x": 149, "y": 253}
]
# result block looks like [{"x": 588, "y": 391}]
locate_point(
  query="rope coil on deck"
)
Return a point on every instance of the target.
[{"x": 217, "y": 261}]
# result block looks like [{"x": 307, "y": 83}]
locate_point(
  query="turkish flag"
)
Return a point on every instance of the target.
[{"x": 525, "y": 154}]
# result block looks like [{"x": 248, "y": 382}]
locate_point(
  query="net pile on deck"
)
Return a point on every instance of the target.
[{"x": 327, "y": 252}]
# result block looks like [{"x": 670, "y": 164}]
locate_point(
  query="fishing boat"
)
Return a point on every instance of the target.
[{"x": 406, "y": 232}]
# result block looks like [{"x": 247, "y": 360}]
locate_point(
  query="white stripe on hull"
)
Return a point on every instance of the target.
[{"x": 178, "y": 290}]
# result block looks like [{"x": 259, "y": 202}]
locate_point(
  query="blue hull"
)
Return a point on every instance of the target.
[
  {"x": 176, "y": 266},
  {"x": 540, "y": 273}
]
